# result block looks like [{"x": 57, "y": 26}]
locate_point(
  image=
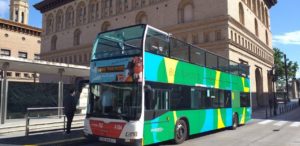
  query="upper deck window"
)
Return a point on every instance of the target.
[{"x": 119, "y": 43}]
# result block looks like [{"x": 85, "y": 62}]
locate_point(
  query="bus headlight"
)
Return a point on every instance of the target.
[{"x": 131, "y": 134}]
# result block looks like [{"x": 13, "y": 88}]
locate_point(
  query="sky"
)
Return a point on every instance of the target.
[{"x": 285, "y": 25}]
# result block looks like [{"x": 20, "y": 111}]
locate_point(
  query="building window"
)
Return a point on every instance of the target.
[
  {"x": 206, "y": 37},
  {"x": 93, "y": 10},
  {"x": 26, "y": 75},
  {"x": 256, "y": 27},
  {"x": 9, "y": 74},
  {"x": 141, "y": 18},
  {"x": 267, "y": 38},
  {"x": 5, "y": 52},
  {"x": 195, "y": 38},
  {"x": 49, "y": 24},
  {"x": 17, "y": 74},
  {"x": 254, "y": 6},
  {"x": 218, "y": 35},
  {"x": 59, "y": 20},
  {"x": 267, "y": 17},
  {"x": 23, "y": 55},
  {"x": 105, "y": 26},
  {"x": 80, "y": 13},
  {"x": 37, "y": 57},
  {"x": 185, "y": 11},
  {"x": 258, "y": 9},
  {"x": 77, "y": 37},
  {"x": 241, "y": 14},
  {"x": 53, "y": 42},
  {"x": 69, "y": 21}
]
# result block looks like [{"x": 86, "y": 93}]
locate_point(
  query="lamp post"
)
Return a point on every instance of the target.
[{"x": 286, "y": 80}]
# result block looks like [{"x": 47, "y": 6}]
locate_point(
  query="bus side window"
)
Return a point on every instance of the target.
[{"x": 148, "y": 98}]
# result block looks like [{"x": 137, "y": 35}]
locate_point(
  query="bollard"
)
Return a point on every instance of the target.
[
  {"x": 266, "y": 112},
  {"x": 27, "y": 125},
  {"x": 64, "y": 123}
]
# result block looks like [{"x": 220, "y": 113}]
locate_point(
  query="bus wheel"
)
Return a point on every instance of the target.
[
  {"x": 235, "y": 122},
  {"x": 181, "y": 132}
]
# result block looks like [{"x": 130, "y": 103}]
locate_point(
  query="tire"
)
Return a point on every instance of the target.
[
  {"x": 235, "y": 122},
  {"x": 181, "y": 132}
]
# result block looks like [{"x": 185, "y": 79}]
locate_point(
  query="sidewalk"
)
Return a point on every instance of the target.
[
  {"x": 260, "y": 113},
  {"x": 53, "y": 138}
]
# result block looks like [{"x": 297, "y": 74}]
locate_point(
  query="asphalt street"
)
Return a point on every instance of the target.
[{"x": 283, "y": 130}]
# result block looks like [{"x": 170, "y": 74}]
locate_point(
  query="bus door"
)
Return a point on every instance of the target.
[{"x": 157, "y": 121}]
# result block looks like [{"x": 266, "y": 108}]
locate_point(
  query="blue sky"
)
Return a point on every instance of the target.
[{"x": 285, "y": 25}]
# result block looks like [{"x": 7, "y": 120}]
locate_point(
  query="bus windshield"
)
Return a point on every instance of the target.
[
  {"x": 119, "y": 43},
  {"x": 116, "y": 101}
]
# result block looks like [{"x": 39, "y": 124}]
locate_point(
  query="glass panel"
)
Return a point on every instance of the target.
[
  {"x": 118, "y": 101},
  {"x": 234, "y": 68},
  {"x": 211, "y": 61},
  {"x": 197, "y": 56},
  {"x": 180, "y": 97},
  {"x": 157, "y": 43},
  {"x": 223, "y": 64},
  {"x": 198, "y": 96},
  {"x": 179, "y": 50},
  {"x": 118, "y": 43},
  {"x": 245, "y": 99}
]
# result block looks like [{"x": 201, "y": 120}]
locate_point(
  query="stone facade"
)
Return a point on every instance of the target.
[{"x": 235, "y": 29}]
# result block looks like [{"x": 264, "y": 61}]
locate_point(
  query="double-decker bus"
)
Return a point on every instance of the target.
[{"x": 148, "y": 87}]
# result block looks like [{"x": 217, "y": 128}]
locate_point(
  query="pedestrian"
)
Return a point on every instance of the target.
[{"x": 70, "y": 103}]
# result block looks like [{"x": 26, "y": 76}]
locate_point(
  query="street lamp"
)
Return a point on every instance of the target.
[{"x": 286, "y": 80}]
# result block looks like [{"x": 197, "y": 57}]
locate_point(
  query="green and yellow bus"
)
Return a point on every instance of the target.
[{"x": 147, "y": 87}]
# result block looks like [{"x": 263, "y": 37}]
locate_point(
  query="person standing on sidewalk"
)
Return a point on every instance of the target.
[{"x": 70, "y": 108}]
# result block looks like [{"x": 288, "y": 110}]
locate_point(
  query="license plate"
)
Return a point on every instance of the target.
[{"x": 110, "y": 140}]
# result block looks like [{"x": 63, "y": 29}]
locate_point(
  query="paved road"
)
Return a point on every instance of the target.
[{"x": 283, "y": 130}]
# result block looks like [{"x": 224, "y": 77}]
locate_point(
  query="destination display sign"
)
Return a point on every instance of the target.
[{"x": 107, "y": 69}]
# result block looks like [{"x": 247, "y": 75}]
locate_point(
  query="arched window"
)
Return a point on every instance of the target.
[
  {"x": 262, "y": 12},
  {"x": 241, "y": 14},
  {"x": 49, "y": 24},
  {"x": 105, "y": 26},
  {"x": 267, "y": 38},
  {"x": 59, "y": 20},
  {"x": 77, "y": 37},
  {"x": 254, "y": 7},
  {"x": 258, "y": 9},
  {"x": 93, "y": 10},
  {"x": 267, "y": 17},
  {"x": 53, "y": 43},
  {"x": 69, "y": 21},
  {"x": 256, "y": 27},
  {"x": 80, "y": 13},
  {"x": 185, "y": 11},
  {"x": 141, "y": 18}
]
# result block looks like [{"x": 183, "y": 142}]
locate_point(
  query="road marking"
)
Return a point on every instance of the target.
[
  {"x": 280, "y": 123},
  {"x": 295, "y": 124},
  {"x": 265, "y": 122}
]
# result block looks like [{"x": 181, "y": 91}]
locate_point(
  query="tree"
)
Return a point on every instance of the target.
[{"x": 292, "y": 67}]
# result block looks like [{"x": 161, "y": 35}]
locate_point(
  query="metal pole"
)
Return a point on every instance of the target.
[
  {"x": 60, "y": 91},
  {"x": 4, "y": 85},
  {"x": 27, "y": 124},
  {"x": 286, "y": 79}
]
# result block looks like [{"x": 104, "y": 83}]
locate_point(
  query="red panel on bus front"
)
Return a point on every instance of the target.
[{"x": 111, "y": 130}]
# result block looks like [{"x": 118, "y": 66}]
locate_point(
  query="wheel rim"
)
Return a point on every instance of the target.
[
  {"x": 180, "y": 131},
  {"x": 235, "y": 121}
]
